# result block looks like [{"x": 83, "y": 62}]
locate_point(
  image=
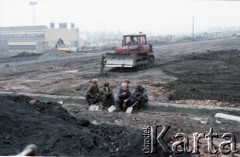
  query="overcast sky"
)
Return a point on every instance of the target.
[{"x": 160, "y": 16}]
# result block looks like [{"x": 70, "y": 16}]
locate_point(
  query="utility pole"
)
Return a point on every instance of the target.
[
  {"x": 33, "y": 3},
  {"x": 193, "y": 27}
]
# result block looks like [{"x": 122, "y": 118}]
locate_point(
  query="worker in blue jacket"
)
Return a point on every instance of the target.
[{"x": 124, "y": 97}]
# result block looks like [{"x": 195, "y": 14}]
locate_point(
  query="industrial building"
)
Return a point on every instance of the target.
[
  {"x": 70, "y": 36},
  {"x": 37, "y": 38}
]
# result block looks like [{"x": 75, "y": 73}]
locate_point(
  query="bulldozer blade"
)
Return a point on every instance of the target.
[
  {"x": 111, "y": 108},
  {"x": 119, "y": 60}
]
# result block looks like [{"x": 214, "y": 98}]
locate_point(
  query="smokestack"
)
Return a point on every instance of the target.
[
  {"x": 65, "y": 25},
  {"x": 60, "y": 25},
  {"x": 72, "y": 25},
  {"x": 52, "y": 25}
]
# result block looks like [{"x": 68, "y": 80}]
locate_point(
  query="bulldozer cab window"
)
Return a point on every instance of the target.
[
  {"x": 131, "y": 40},
  {"x": 143, "y": 41}
]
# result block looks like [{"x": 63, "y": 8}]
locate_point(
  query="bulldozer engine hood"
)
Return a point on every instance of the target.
[{"x": 125, "y": 49}]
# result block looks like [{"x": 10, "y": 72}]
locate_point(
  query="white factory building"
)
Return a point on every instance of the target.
[{"x": 37, "y": 38}]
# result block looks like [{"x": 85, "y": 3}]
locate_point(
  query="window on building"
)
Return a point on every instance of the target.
[{"x": 22, "y": 47}]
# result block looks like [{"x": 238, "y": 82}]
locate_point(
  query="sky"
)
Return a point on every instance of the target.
[{"x": 159, "y": 16}]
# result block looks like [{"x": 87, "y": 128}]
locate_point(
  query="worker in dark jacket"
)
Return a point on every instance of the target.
[
  {"x": 93, "y": 93},
  {"x": 140, "y": 95},
  {"x": 106, "y": 95},
  {"x": 124, "y": 97}
]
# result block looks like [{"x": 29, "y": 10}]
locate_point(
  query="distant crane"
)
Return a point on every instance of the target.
[{"x": 33, "y": 3}]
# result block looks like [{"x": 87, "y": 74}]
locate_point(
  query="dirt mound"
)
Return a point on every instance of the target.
[
  {"x": 53, "y": 53},
  {"x": 26, "y": 54},
  {"x": 50, "y": 127}
]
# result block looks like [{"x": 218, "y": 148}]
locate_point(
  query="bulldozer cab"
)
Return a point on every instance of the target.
[{"x": 131, "y": 40}]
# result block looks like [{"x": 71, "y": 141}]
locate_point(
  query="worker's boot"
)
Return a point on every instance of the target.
[
  {"x": 138, "y": 107},
  {"x": 124, "y": 106},
  {"x": 117, "y": 108},
  {"x": 90, "y": 102}
]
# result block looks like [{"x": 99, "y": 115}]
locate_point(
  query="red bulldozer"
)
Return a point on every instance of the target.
[{"x": 134, "y": 53}]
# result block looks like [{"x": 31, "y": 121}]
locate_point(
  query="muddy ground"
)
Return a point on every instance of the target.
[
  {"x": 208, "y": 70},
  {"x": 199, "y": 73}
]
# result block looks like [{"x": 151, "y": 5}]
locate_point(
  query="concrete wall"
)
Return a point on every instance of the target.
[
  {"x": 42, "y": 46},
  {"x": 3, "y": 46}
]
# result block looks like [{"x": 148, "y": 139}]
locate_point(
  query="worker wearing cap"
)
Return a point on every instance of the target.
[
  {"x": 106, "y": 95},
  {"x": 124, "y": 97},
  {"x": 140, "y": 95},
  {"x": 127, "y": 82},
  {"x": 93, "y": 93}
]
